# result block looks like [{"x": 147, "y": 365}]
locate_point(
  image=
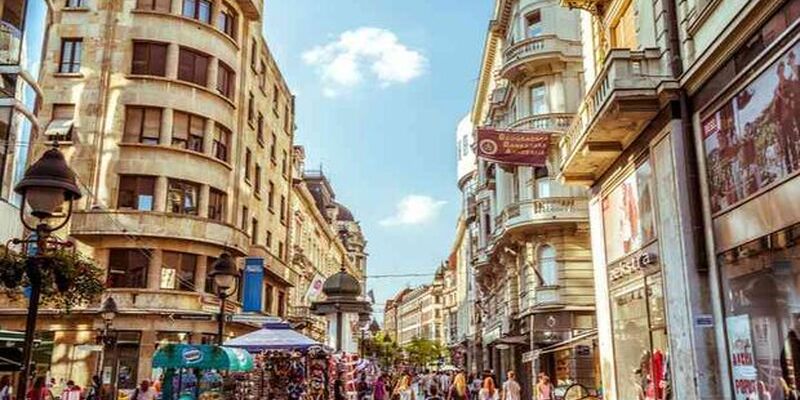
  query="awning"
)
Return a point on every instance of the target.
[
  {"x": 59, "y": 128},
  {"x": 275, "y": 335},
  {"x": 588, "y": 336},
  {"x": 202, "y": 357}
]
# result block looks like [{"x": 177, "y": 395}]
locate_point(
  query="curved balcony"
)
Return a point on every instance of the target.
[
  {"x": 178, "y": 95},
  {"x": 157, "y": 160},
  {"x": 92, "y": 226},
  {"x": 548, "y": 122},
  {"x": 524, "y": 56},
  {"x": 626, "y": 95},
  {"x": 530, "y": 215}
]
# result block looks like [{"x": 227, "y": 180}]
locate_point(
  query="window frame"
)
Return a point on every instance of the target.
[
  {"x": 226, "y": 80},
  {"x": 195, "y": 14},
  {"x": 217, "y": 204},
  {"x": 227, "y": 21},
  {"x": 154, "y": 5},
  {"x": 137, "y": 192},
  {"x": 141, "y": 138},
  {"x": 191, "y": 141},
  {"x": 179, "y": 270},
  {"x": 196, "y": 56},
  {"x": 149, "y": 68},
  {"x": 181, "y": 186},
  {"x": 221, "y": 132},
  {"x": 129, "y": 273},
  {"x": 73, "y": 64}
]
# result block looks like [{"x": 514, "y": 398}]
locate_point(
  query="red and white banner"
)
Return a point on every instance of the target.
[{"x": 514, "y": 147}]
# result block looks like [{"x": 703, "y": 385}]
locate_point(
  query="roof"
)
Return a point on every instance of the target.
[
  {"x": 341, "y": 284},
  {"x": 274, "y": 335},
  {"x": 344, "y": 213}
]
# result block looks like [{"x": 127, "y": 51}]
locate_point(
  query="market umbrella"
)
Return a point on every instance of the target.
[
  {"x": 277, "y": 335},
  {"x": 202, "y": 357}
]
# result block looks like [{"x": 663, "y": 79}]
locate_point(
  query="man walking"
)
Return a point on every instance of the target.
[{"x": 511, "y": 389}]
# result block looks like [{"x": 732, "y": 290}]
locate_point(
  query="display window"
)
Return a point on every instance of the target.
[{"x": 761, "y": 283}]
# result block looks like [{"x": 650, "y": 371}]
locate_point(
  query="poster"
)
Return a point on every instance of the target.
[
  {"x": 315, "y": 288},
  {"x": 628, "y": 214},
  {"x": 742, "y": 357},
  {"x": 513, "y": 147},
  {"x": 753, "y": 140}
]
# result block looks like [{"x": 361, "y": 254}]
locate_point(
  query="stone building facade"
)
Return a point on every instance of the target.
[
  {"x": 420, "y": 315},
  {"x": 180, "y": 128}
]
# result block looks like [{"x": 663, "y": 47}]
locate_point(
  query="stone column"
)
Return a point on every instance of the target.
[
  {"x": 557, "y": 94},
  {"x": 166, "y": 127},
  {"x": 160, "y": 194},
  {"x": 147, "y": 346},
  {"x": 201, "y": 273},
  {"x": 154, "y": 270},
  {"x": 173, "y": 54},
  {"x": 213, "y": 66},
  {"x": 208, "y": 138},
  {"x": 203, "y": 201}
]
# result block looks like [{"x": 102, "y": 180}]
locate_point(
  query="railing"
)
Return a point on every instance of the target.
[
  {"x": 553, "y": 122},
  {"x": 539, "y": 45},
  {"x": 623, "y": 69},
  {"x": 540, "y": 211}
]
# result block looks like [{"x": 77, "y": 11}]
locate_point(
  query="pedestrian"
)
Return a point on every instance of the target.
[
  {"x": 544, "y": 389},
  {"x": 444, "y": 382},
  {"x": 93, "y": 393},
  {"x": 5, "y": 388},
  {"x": 338, "y": 387},
  {"x": 474, "y": 386},
  {"x": 511, "y": 389},
  {"x": 144, "y": 392},
  {"x": 403, "y": 390},
  {"x": 362, "y": 387},
  {"x": 433, "y": 394},
  {"x": 489, "y": 391},
  {"x": 71, "y": 391},
  {"x": 458, "y": 390},
  {"x": 378, "y": 389},
  {"x": 39, "y": 390}
]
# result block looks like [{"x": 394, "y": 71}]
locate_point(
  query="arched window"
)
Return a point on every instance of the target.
[{"x": 548, "y": 266}]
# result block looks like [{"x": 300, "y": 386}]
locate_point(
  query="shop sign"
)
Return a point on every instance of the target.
[
  {"x": 190, "y": 317},
  {"x": 704, "y": 321},
  {"x": 528, "y": 356},
  {"x": 514, "y": 147},
  {"x": 192, "y": 356},
  {"x": 631, "y": 265},
  {"x": 253, "y": 286},
  {"x": 628, "y": 218},
  {"x": 742, "y": 357}
]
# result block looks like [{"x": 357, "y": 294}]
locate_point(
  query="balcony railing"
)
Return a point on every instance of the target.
[
  {"x": 544, "y": 48},
  {"x": 632, "y": 81},
  {"x": 541, "y": 211},
  {"x": 549, "y": 122}
]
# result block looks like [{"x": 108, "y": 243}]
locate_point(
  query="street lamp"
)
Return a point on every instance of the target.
[
  {"x": 46, "y": 186},
  {"x": 108, "y": 311},
  {"x": 225, "y": 276}
]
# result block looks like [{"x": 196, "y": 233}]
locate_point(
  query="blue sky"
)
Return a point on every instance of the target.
[{"x": 381, "y": 86}]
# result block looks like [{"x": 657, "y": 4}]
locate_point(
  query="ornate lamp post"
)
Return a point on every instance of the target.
[
  {"x": 47, "y": 185},
  {"x": 225, "y": 276},
  {"x": 108, "y": 311}
]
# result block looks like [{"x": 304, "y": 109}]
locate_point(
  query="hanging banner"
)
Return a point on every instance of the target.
[
  {"x": 514, "y": 147},
  {"x": 253, "y": 284},
  {"x": 315, "y": 288},
  {"x": 743, "y": 360}
]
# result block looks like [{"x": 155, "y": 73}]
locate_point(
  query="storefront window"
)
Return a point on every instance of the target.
[
  {"x": 124, "y": 359},
  {"x": 761, "y": 282}
]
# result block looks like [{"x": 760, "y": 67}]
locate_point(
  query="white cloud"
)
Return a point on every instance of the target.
[
  {"x": 341, "y": 64},
  {"x": 414, "y": 210}
]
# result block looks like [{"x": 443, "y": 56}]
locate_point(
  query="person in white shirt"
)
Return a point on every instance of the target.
[
  {"x": 144, "y": 392},
  {"x": 511, "y": 389}
]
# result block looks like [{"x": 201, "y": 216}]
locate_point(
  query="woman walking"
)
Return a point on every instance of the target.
[
  {"x": 403, "y": 390},
  {"x": 489, "y": 391},
  {"x": 458, "y": 390}
]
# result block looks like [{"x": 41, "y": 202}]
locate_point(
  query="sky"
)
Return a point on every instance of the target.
[{"x": 380, "y": 87}]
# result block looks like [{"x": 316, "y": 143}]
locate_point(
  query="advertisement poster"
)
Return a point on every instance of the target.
[
  {"x": 253, "y": 284},
  {"x": 628, "y": 214},
  {"x": 753, "y": 140},
  {"x": 743, "y": 364},
  {"x": 315, "y": 288},
  {"x": 513, "y": 147}
]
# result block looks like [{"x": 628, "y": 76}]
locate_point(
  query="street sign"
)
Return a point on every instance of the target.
[
  {"x": 191, "y": 317},
  {"x": 258, "y": 319}
]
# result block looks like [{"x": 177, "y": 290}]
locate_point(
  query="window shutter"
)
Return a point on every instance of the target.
[
  {"x": 152, "y": 123},
  {"x": 158, "y": 59},
  {"x": 201, "y": 70},
  {"x": 140, "y": 56},
  {"x": 185, "y": 65},
  {"x": 133, "y": 124},
  {"x": 180, "y": 126}
]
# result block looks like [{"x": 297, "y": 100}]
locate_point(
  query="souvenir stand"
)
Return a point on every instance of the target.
[
  {"x": 289, "y": 365},
  {"x": 193, "y": 371}
]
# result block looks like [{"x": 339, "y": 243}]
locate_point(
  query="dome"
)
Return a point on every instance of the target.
[
  {"x": 341, "y": 284},
  {"x": 344, "y": 213}
]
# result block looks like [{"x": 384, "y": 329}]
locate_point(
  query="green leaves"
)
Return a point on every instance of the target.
[{"x": 423, "y": 352}]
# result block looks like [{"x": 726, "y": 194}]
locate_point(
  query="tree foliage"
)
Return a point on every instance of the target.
[
  {"x": 382, "y": 348},
  {"x": 424, "y": 352}
]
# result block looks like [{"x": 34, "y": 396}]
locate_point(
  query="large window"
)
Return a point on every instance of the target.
[
  {"x": 623, "y": 33},
  {"x": 226, "y": 80},
  {"x": 216, "y": 204},
  {"x": 136, "y": 192},
  {"x": 533, "y": 24},
  {"x": 539, "y": 104},
  {"x": 142, "y": 125},
  {"x": 226, "y": 21},
  {"x": 193, "y": 67},
  {"x": 183, "y": 197},
  {"x": 127, "y": 268},
  {"x": 197, "y": 9},
  {"x": 149, "y": 58},
  {"x": 178, "y": 270},
  {"x": 548, "y": 266},
  {"x": 222, "y": 137},
  {"x": 268, "y": 299},
  {"x": 187, "y": 131},
  {"x": 154, "y": 5},
  {"x": 70, "y": 61}
]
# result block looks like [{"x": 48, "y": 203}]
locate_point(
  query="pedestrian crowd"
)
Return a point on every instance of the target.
[{"x": 42, "y": 389}]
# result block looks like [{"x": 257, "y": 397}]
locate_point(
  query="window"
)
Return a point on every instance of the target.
[
  {"x": 245, "y": 215},
  {"x": 226, "y": 21},
  {"x": 70, "y": 56},
  {"x": 533, "y": 24},
  {"x": 248, "y": 160},
  {"x": 193, "y": 67},
  {"x": 287, "y": 119},
  {"x": 149, "y": 59},
  {"x": 271, "y": 196},
  {"x": 280, "y": 249},
  {"x": 257, "y": 184},
  {"x": 136, "y": 192},
  {"x": 272, "y": 148},
  {"x": 260, "y": 129},
  {"x": 74, "y": 3},
  {"x": 197, "y": 9},
  {"x": 268, "y": 298},
  {"x": 548, "y": 266},
  {"x": 285, "y": 164},
  {"x": 210, "y": 286},
  {"x": 178, "y": 270},
  {"x": 623, "y": 33},
  {"x": 142, "y": 125},
  {"x": 251, "y": 108},
  {"x": 254, "y": 231},
  {"x": 262, "y": 82},
  {"x": 275, "y": 99},
  {"x": 253, "y": 54},
  {"x": 187, "y": 131},
  {"x": 61, "y": 123},
  {"x": 539, "y": 99},
  {"x": 281, "y": 304},
  {"x": 182, "y": 197},
  {"x": 226, "y": 80},
  {"x": 269, "y": 239},
  {"x": 221, "y": 139},
  {"x": 283, "y": 208},
  {"x": 127, "y": 268},
  {"x": 154, "y": 5},
  {"x": 216, "y": 204}
]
